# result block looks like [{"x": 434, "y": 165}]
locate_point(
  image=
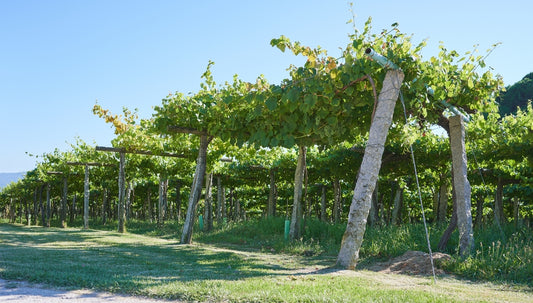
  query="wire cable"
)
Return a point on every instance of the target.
[{"x": 420, "y": 196}]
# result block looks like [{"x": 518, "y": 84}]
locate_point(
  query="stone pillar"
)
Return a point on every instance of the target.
[
  {"x": 461, "y": 185},
  {"x": 369, "y": 170}
]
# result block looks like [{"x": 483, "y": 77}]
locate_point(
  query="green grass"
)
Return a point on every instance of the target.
[
  {"x": 254, "y": 264},
  {"x": 506, "y": 259},
  {"x": 501, "y": 256}
]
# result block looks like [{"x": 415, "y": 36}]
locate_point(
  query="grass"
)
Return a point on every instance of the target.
[
  {"x": 252, "y": 265},
  {"x": 507, "y": 259},
  {"x": 500, "y": 255}
]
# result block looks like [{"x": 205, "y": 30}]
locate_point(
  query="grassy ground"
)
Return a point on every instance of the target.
[
  {"x": 150, "y": 262},
  {"x": 500, "y": 255}
]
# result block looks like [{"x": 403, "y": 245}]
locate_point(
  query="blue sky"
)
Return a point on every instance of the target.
[{"x": 58, "y": 57}]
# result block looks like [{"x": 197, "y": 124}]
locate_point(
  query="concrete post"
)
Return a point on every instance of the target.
[{"x": 461, "y": 185}]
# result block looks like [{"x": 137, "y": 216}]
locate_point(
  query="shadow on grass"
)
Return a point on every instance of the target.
[{"x": 118, "y": 262}]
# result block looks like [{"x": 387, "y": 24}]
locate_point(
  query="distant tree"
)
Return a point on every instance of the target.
[{"x": 516, "y": 95}]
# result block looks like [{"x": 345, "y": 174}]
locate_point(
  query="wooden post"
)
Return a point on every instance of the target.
[
  {"x": 443, "y": 202},
  {"x": 499, "y": 218},
  {"x": 196, "y": 189},
  {"x": 219, "y": 202},
  {"x": 337, "y": 196},
  {"x": 208, "y": 201},
  {"x": 224, "y": 208},
  {"x": 41, "y": 207},
  {"x": 236, "y": 209},
  {"x": 104, "y": 206},
  {"x": 35, "y": 204},
  {"x": 516, "y": 212},
  {"x": 130, "y": 196},
  {"x": 28, "y": 212},
  {"x": 162, "y": 205},
  {"x": 63, "y": 210},
  {"x": 86, "y": 189},
  {"x": 86, "y": 198},
  {"x": 323, "y": 214},
  {"x": 9, "y": 211},
  {"x": 48, "y": 205},
  {"x": 178, "y": 201},
  {"x": 231, "y": 205},
  {"x": 159, "y": 210},
  {"x": 148, "y": 205},
  {"x": 73, "y": 209},
  {"x": 396, "y": 217},
  {"x": 122, "y": 183},
  {"x": 271, "y": 208},
  {"x": 295, "y": 232},
  {"x": 64, "y": 203},
  {"x": 121, "y": 195}
]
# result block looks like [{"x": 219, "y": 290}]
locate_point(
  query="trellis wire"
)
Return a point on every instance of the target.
[{"x": 420, "y": 196}]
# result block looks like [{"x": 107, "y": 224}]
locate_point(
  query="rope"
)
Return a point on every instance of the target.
[{"x": 420, "y": 196}]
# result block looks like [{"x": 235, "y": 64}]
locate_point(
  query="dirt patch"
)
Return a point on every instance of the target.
[
  {"x": 24, "y": 292},
  {"x": 412, "y": 263},
  {"x": 415, "y": 263}
]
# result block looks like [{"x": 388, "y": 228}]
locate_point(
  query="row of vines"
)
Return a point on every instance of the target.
[{"x": 244, "y": 150}]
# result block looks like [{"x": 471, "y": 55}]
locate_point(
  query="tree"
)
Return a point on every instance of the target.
[{"x": 516, "y": 96}]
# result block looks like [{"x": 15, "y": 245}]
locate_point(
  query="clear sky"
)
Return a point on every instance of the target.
[{"x": 58, "y": 57}]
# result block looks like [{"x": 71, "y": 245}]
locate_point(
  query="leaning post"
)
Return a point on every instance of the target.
[{"x": 371, "y": 164}]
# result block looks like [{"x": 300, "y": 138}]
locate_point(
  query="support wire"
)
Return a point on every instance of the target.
[{"x": 420, "y": 196}]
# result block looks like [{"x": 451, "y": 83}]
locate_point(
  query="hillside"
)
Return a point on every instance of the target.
[
  {"x": 516, "y": 96},
  {"x": 6, "y": 178}
]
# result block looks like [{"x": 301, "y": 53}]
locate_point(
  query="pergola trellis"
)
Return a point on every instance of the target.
[
  {"x": 121, "y": 178},
  {"x": 86, "y": 187}
]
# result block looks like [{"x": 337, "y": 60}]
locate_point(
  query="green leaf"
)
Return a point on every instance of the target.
[
  {"x": 291, "y": 125},
  {"x": 332, "y": 120},
  {"x": 227, "y": 99},
  {"x": 289, "y": 141},
  {"x": 322, "y": 113},
  {"x": 277, "y": 89},
  {"x": 310, "y": 100},
  {"x": 271, "y": 103},
  {"x": 280, "y": 43},
  {"x": 470, "y": 83},
  {"x": 260, "y": 135},
  {"x": 258, "y": 110},
  {"x": 293, "y": 94}
]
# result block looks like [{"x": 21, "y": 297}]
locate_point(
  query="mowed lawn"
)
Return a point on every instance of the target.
[{"x": 161, "y": 268}]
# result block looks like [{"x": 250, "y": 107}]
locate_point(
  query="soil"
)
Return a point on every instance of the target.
[
  {"x": 24, "y": 292},
  {"x": 411, "y": 263}
]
